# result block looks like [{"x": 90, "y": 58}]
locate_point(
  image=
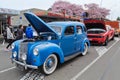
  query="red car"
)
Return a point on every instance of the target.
[{"x": 98, "y": 32}]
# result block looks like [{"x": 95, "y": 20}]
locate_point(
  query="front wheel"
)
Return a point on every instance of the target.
[
  {"x": 85, "y": 49},
  {"x": 106, "y": 42},
  {"x": 113, "y": 37},
  {"x": 50, "y": 64}
]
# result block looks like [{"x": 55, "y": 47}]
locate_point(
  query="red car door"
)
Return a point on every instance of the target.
[{"x": 110, "y": 31}]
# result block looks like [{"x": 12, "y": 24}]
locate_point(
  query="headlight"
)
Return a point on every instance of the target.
[
  {"x": 13, "y": 46},
  {"x": 24, "y": 57},
  {"x": 15, "y": 54},
  {"x": 35, "y": 51}
]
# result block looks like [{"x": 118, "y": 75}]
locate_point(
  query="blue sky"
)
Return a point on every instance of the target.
[{"x": 45, "y": 4}]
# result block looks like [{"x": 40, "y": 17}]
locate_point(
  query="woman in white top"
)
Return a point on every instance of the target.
[{"x": 10, "y": 37}]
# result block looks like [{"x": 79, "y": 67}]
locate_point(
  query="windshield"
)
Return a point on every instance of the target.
[
  {"x": 47, "y": 36},
  {"x": 57, "y": 29},
  {"x": 95, "y": 31}
]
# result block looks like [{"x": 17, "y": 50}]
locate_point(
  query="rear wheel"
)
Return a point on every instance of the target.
[
  {"x": 118, "y": 35},
  {"x": 50, "y": 64},
  {"x": 85, "y": 49}
]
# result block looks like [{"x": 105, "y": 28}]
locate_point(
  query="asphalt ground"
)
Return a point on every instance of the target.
[
  {"x": 104, "y": 66},
  {"x": 92, "y": 66}
]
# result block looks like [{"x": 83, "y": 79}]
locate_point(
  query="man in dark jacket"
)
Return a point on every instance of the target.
[{"x": 19, "y": 33}]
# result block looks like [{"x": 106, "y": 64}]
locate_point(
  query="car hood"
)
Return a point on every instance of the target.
[
  {"x": 93, "y": 24},
  {"x": 38, "y": 24}
]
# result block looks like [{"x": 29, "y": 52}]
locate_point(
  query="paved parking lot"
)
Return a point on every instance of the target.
[{"x": 78, "y": 68}]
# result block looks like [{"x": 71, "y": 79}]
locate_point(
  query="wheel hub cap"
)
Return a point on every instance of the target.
[{"x": 50, "y": 63}]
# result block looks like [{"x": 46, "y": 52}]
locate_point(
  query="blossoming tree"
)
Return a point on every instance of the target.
[{"x": 93, "y": 10}]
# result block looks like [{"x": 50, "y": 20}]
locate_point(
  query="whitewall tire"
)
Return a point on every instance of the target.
[
  {"x": 85, "y": 49},
  {"x": 50, "y": 64}
]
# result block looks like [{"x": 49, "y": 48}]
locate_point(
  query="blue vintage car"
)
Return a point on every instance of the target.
[{"x": 56, "y": 42}]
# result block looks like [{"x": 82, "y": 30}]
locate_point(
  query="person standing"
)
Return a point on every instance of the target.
[
  {"x": 20, "y": 32},
  {"x": 10, "y": 37},
  {"x": 29, "y": 31}
]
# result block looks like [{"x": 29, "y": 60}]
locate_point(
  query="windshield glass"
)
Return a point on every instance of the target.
[
  {"x": 57, "y": 29},
  {"x": 95, "y": 31}
]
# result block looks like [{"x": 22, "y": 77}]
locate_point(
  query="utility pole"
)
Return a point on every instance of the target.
[
  {"x": 101, "y": 3},
  {"x": 64, "y": 12}
]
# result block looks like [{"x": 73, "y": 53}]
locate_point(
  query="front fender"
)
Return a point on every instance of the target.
[{"x": 45, "y": 50}]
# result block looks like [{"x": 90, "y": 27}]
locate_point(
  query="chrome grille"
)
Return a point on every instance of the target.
[
  {"x": 94, "y": 36},
  {"x": 23, "y": 49}
]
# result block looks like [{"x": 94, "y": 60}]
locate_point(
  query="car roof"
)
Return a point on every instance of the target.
[{"x": 65, "y": 23}]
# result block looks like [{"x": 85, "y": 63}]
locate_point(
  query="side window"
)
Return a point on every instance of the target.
[
  {"x": 69, "y": 30},
  {"x": 79, "y": 29}
]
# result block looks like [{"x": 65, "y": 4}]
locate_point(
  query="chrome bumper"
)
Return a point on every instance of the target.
[{"x": 24, "y": 64}]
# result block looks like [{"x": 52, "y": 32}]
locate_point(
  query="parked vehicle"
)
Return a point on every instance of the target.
[
  {"x": 98, "y": 32},
  {"x": 115, "y": 25},
  {"x": 56, "y": 42}
]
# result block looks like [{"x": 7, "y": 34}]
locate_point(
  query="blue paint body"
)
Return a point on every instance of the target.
[{"x": 62, "y": 45}]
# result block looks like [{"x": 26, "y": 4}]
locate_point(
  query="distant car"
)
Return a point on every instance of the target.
[
  {"x": 56, "y": 42},
  {"x": 115, "y": 25},
  {"x": 98, "y": 32},
  {"x": 117, "y": 32}
]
